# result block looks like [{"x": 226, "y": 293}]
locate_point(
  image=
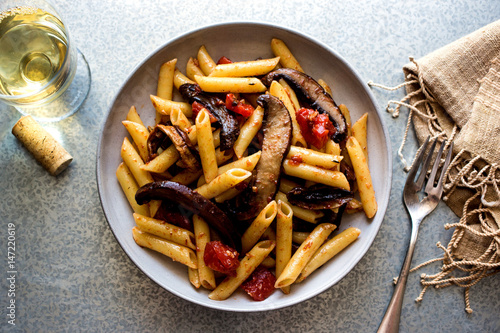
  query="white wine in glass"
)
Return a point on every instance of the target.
[{"x": 41, "y": 73}]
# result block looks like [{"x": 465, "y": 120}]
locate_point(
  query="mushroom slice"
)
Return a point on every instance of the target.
[
  {"x": 181, "y": 142},
  {"x": 314, "y": 94},
  {"x": 318, "y": 197},
  {"x": 195, "y": 202},
  {"x": 277, "y": 129},
  {"x": 229, "y": 125}
]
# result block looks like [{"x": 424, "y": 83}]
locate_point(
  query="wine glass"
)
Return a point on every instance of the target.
[{"x": 42, "y": 73}]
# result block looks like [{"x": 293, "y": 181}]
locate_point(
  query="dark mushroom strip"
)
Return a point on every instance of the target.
[
  {"x": 318, "y": 197},
  {"x": 314, "y": 94},
  {"x": 195, "y": 202},
  {"x": 157, "y": 139},
  {"x": 332, "y": 217},
  {"x": 277, "y": 129},
  {"x": 183, "y": 145},
  {"x": 229, "y": 125}
]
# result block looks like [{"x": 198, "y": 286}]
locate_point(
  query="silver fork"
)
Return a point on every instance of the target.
[{"x": 418, "y": 210}]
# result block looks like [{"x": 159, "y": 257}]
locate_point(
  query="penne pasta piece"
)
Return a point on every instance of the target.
[
  {"x": 193, "y": 68},
  {"x": 333, "y": 148},
  {"x": 194, "y": 277},
  {"x": 179, "y": 119},
  {"x": 230, "y": 84},
  {"x": 245, "y": 68},
  {"x": 268, "y": 262},
  {"x": 205, "y": 61},
  {"x": 277, "y": 90},
  {"x": 223, "y": 182},
  {"x": 165, "y": 230},
  {"x": 180, "y": 79},
  {"x": 246, "y": 163},
  {"x": 165, "y": 107},
  {"x": 303, "y": 254},
  {"x": 347, "y": 115},
  {"x": 247, "y": 265},
  {"x": 291, "y": 94},
  {"x": 130, "y": 187},
  {"x": 258, "y": 226},
  {"x": 325, "y": 86},
  {"x": 132, "y": 115},
  {"x": 176, "y": 252},
  {"x": 284, "y": 226},
  {"x": 166, "y": 80},
  {"x": 328, "y": 250},
  {"x": 315, "y": 174},
  {"x": 287, "y": 59},
  {"x": 359, "y": 132},
  {"x": 134, "y": 163},
  {"x": 163, "y": 161},
  {"x": 286, "y": 185},
  {"x": 299, "y": 237},
  {"x": 206, "y": 145},
  {"x": 139, "y": 134},
  {"x": 248, "y": 131},
  {"x": 363, "y": 177},
  {"x": 227, "y": 195},
  {"x": 311, "y": 157},
  {"x": 202, "y": 234},
  {"x": 308, "y": 215},
  {"x": 186, "y": 177}
]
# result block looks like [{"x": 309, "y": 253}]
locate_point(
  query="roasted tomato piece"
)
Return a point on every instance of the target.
[
  {"x": 315, "y": 127},
  {"x": 196, "y": 107},
  {"x": 238, "y": 106},
  {"x": 224, "y": 60},
  {"x": 221, "y": 258},
  {"x": 260, "y": 285}
]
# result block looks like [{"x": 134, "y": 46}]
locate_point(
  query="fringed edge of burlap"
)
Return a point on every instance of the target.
[{"x": 465, "y": 171}]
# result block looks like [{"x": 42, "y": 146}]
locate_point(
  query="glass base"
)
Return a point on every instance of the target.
[{"x": 69, "y": 101}]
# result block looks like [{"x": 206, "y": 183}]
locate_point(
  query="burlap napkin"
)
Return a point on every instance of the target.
[{"x": 453, "y": 93}]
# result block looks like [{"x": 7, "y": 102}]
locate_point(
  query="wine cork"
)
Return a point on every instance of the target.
[{"x": 46, "y": 150}]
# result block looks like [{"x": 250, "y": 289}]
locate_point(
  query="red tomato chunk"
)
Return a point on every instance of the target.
[
  {"x": 224, "y": 60},
  {"x": 221, "y": 258},
  {"x": 260, "y": 285},
  {"x": 238, "y": 106},
  {"x": 315, "y": 127}
]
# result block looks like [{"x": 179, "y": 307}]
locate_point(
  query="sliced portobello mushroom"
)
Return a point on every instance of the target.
[
  {"x": 313, "y": 93},
  {"x": 318, "y": 197},
  {"x": 163, "y": 135},
  {"x": 229, "y": 125},
  {"x": 277, "y": 134},
  {"x": 195, "y": 202}
]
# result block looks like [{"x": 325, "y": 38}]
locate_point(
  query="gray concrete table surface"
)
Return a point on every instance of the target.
[{"x": 72, "y": 274}]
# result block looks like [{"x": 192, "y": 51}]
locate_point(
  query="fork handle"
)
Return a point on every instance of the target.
[{"x": 390, "y": 322}]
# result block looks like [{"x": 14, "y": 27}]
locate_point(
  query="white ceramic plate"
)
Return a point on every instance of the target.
[{"x": 241, "y": 41}]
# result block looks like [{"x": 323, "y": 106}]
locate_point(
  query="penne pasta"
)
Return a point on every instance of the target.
[
  {"x": 165, "y": 107},
  {"x": 194, "y": 277},
  {"x": 315, "y": 174},
  {"x": 248, "y": 131},
  {"x": 202, "y": 235},
  {"x": 258, "y": 226},
  {"x": 246, "y": 163},
  {"x": 139, "y": 134},
  {"x": 230, "y": 84},
  {"x": 245, "y": 68},
  {"x": 359, "y": 132},
  {"x": 179, "y": 119},
  {"x": 205, "y": 61},
  {"x": 347, "y": 115},
  {"x": 303, "y": 254},
  {"x": 166, "y": 79},
  {"x": 193, "y": 68},
  {"x": 247, "y": 265},
  {"x": 287, "y": 59},
  {"x": 176, "y": 252},
  {"x": 223, "y": 182},
  {"x": 180, "y": 79},
  {"x": 363, "y": 177},
  {"x": 130, "y": 187},
  {"x": 284, "y": 226},
  {"x": 206, "y": 145},
  {"x": 165, "y": 230},
  {"x": 311, "y": 157},
  {"x": 134, "y": 163},
  {"x": 132, "y": 115},
  {"x": 328, "y": 250},
  {"x": 277, "y": 90},
  {"x": 325, "y": 86}
]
